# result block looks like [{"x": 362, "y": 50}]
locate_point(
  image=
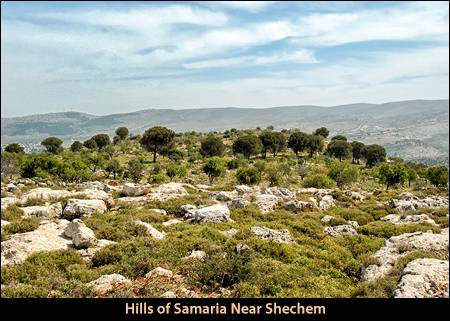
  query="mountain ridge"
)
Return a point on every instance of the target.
[{"x": 410, "y": 129}]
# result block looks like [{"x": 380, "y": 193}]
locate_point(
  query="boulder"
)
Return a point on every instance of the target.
[
  {"x": 326, "y": 202},
  {"x": 187, "y": 210},
  {"x": 157, "y": 235},
  {"x": 279, "y": 236},
  {"x": 108, "y": 282},
  {"x": 337, "y": 230},
  {"x": 8, "y": 201},
  {"x": 354, "y": 195},
  {"x": 47, "y": 211},
  {"x": 46, "y": 194},
  {"x": 81, "y": 235},
  {"x": 79, "y": 208},
  {"x": 209, "y": 214},
  {"x": 409, "y": 219},
  {"x": 230, "y": 233},
  {"x": 424, "y": 278},
  {"x": 243, "y": 189},
  {"x": 12, "y": 188},
  {"x": 169, "y": 295},
  {"x": 47, "y": 237},
  {"x": 353, "y": 224},
  {"x": 299, "y": 206},
  {"x": 132, "y": 189},
  {"x": 399, "y": 246},
  {"x": 168, "y": 191},
  {"x": 267, "y": 202},
  {"x": 409, "y": 202},
  {"x": 197, "y": 255},
  {"x": 239, "y": 202},
  {"x": 241, "y": 248},
  {"x": 223, "y": 196},
  {"x": 282, "y": 192},
  {"x": 326, "y": 218},
  {"x": 159, "y": 272},
  {"x": 93, "y": 194}
]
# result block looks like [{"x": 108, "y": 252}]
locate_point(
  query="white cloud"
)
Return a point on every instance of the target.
[
  {"x": 300, "y": 57},
  {"x": 251, "y": 6}
]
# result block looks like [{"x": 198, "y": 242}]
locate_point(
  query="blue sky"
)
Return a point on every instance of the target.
[{"x": 112, "y": 57}]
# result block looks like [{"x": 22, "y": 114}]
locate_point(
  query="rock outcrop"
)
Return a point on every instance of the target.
[
  {"x": 78, "y": 208},
  {"x": 409, "y": 202},
  {"x": 153, "y": 232},
  {"x": 209, "y": 214},
  {"x": 423, "y": 278},
  {"x": 108, "y": 282},
  {"x": 47, "y": 237},
  {"x": 409, "y": 219},
  {"x": 81, "y": 235},
  {"x": 398, "y": 246},
  {"x": 279, "y": 236},
  {"x": 338, "y": 230},
  {"x": 47, "y": 211}
]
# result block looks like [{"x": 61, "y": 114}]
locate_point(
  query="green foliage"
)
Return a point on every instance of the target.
[
  {"x": 10, "y": 163},
  {"x": 248, "y": 175},
  {"x": 339, "y": 148},
  {"x": 52, "y": 144},
  {"x": 438, "y": 176},
  {"x": 11, "y": 213},
  {"x": 38, "y": 165},
  {"x": 102, "y": 140},
  {"x": 214, "y": 167},
  {"x": 276, "y": 173},
  {"x": 343, "y": 173},
  {"x": 235, "y": 163},
  {"x": 357, "y": 151},
  {"x": 175, "y": 170},
  {"x": 374, "y": 154},
  {"x": 90, "y": 144},
  {"x": 135, "y": 169},
  {"x": 14, "y": 148},
  {"x": 157, "y": 178},
  {"x": 314, "y": 144},
  {"x": 22, "y": 226},
  {"x": 247, "y": 145},
  {"x": 272, "y": 141},
  {"x": 387, "y": 230},
  {"x": 156, "y": 138},
  {"x": 298, "y": 142},
  {"x": 114, "y": 167},
  {"x": 322, "y": 131},
  {"x": 76, "y": 146},
  {"x": 392, "y": 174},
  {"x": 212, "y": 146},
  {"x": 339, "y": 137},
  {"x": 122, "y": 132},
  {"x": 318, "y": 181}
]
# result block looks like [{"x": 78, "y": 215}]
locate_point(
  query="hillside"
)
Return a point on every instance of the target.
[{"x": 413, "y": 130}]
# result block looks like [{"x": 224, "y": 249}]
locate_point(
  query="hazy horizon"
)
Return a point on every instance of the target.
[{"x": 107, "y": 58}]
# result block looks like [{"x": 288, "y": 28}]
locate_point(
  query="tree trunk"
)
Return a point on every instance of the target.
[
  {"x": 265, "y": 153},
  {"x": 154, "y": 155}
]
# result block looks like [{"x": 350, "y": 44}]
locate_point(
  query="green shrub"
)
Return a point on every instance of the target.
[
  {"x": 318, "y": 181},
  {"x": 387, "y": 230},
  {"x": 248, "y": 175},
  {"x": 22, "y": 226},
  {"x": 158, "y": 179},
  {"x": 12, "y": 213}
]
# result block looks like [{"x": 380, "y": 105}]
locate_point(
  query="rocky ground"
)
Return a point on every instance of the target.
[{"x": 371, "y": 239}]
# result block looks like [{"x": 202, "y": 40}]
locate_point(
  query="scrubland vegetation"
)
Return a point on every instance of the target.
[{"x": 312, "y": 265}]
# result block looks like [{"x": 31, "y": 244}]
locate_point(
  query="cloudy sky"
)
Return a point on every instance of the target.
[{"x": 111, "y": 57}]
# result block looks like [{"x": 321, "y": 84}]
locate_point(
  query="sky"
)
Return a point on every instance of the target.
[{"x": 116, "y": 57}]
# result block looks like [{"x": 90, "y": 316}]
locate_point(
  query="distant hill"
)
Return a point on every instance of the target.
[{"x": 413, "y": 130}]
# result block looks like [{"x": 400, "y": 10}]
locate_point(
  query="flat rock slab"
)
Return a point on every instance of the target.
[
  {"x": 279, "y": 236},
  {"x": 47, "y": 237},
  {"x": 399, "y": 246},
  {"x": 423, "y": 278}
]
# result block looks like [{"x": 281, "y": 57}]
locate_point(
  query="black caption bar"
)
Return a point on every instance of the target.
[{"x": 222, "y": 309}]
